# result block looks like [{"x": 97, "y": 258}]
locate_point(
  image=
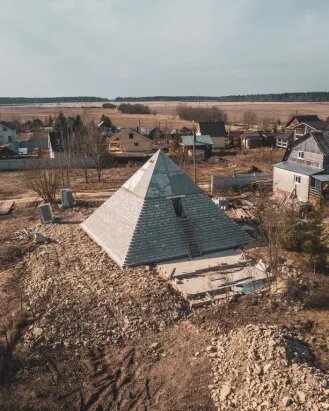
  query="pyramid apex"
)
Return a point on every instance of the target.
[{"x": 160, "y": 176}]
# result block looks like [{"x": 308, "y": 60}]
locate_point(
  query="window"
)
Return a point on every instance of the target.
[
  {"x": 300, "y": 154},
  {"x": 131, "y": 135},
  {"x": 136, "y": 144},
  {"x": 297, "y": 179},
  {"x": 4, "y": 128}
]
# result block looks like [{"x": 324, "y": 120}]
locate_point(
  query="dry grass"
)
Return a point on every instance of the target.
[{"x": 166, "y": 112}]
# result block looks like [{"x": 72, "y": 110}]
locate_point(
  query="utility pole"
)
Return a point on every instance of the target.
[{"x": 194, "y": 161}]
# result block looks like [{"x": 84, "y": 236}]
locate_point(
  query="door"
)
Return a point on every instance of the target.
[{"x": 178, "y": 207}]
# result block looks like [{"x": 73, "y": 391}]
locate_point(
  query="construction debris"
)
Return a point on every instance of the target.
[
  {"x": 216, "y": 277},
  {"x": 266, "y": 368},
  {"x": 6, "y": 207},
  {"x": 84, "y": 299}
]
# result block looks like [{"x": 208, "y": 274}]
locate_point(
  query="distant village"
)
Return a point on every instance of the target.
[{"x": 304, "y": 141}]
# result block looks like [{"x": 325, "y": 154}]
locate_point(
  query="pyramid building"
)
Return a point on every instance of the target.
[{"x": 160, "y": 214}]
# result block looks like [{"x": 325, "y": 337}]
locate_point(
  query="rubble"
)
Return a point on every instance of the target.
[
  {"x": 266, "y": 368},
  {"x": 79, "y": 297},
  {"x": 29, "y": 234}
]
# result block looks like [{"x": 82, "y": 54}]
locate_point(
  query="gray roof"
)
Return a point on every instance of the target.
[
  {"x": 323, "y": 142},
  {"x": 138, "y": 224},
  {"x": 303, "y": 118},
  {"x": 160, "y": 177},
  {"x": 322, "y": 177},
  {"x": 199, "y": 140},
  {"x": 298, "y": 168}
]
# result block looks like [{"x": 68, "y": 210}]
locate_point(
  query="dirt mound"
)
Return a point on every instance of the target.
[
  {"x": 78, "y": 296},
  {"x": 266, "y": 368}
]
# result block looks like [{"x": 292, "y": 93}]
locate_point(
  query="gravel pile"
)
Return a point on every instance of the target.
[
  {"x": 78, "y": 296},
  {"x": 266, "y": 368}
]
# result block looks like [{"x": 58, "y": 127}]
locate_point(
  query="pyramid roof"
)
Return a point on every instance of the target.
[
  {"x": 161, "y": 177},
  {"x": 139, "y": 225}
]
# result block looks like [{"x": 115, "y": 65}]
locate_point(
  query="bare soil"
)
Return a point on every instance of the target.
[{"x": 155, "y": 355}]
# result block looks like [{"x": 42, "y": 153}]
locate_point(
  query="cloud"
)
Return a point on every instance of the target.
[{"x": 147, "y": 47}]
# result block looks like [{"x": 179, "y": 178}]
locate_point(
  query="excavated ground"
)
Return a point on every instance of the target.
[{"x": 86, "y": 335}]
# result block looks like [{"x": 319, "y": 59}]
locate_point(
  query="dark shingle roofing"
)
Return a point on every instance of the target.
[
  {"x": 8, "y": 125},
  {"x": 56, "y": 141},
  {"x": 7, "y": 152},
  {"x": 303, "y": 118},
  {"x": 213, "y": 128},
  {"x": 251, "y": 134},
  {"x": 319, "y": 125},
  {"x": 323, "y": 142}
]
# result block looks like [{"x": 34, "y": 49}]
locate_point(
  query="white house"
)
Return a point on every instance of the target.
[
  {"x": 8, "y": 133},
  {"x": 304, "y": 171}
]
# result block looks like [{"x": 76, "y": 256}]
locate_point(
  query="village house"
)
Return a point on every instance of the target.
[
  {"x": 160, "y": 135},
  {"x": 216, "y": 130},
  {"x": 304, "y": 171},
  {"x": 307, "y": 127},
  {"x": 203, "y": 146},
  {"x": 254, "y": 139},
  {"x": 186, "y": 131},
  {"x": 303, "y": 124},
  {"x": 31, "y": 141},
  {"x": 298, "y": 119},
  {"x": 8, "y": 133},
  {"x": 130, "y": 142},
  {"x": 284, "y": 139}
]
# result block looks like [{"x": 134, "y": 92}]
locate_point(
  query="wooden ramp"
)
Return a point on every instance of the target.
[{"x": 6, "y": 207}]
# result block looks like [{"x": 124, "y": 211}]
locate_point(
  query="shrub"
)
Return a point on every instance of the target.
[
  {"x": 134, "y": 108},
  {"x": 201, "y": 113}
]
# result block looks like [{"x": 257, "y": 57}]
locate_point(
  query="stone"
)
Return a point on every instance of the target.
[
  {"x": 301, "y": 396},
  {"x": 225, "y": 391},
  {"x": 287, "y": 401}
]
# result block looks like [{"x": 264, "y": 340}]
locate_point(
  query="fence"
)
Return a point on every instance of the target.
[
  {"x": 237, "y": 180},
  {"x": 29, "y": 163}
]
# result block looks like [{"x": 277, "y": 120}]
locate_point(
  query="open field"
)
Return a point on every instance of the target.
[{"x": 166, "y": 112}]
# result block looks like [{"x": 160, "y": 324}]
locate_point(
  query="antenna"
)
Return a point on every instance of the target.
[{"x": 194, "y": 161}]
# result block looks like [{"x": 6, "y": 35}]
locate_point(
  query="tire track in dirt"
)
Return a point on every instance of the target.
[{"x": 113, "y": 389}]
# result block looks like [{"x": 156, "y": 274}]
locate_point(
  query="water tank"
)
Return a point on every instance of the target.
[{"x": 46, "y": 213}]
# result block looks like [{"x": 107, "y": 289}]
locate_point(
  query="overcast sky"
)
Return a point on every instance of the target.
[{"x": 163, "y": 47}]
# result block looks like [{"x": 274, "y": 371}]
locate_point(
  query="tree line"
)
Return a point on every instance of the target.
[
  {"x": 316, "y": 96},
  {"x": 46, "y": 100}
]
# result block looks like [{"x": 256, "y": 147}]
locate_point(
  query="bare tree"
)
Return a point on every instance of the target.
[
  {"x": 249, "y": 118},
  {"x": 97, "y": 148},
  {"x": 44, "y": 182}
]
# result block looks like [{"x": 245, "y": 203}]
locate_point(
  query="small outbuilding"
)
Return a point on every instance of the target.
[{"x": 202, "y": 143}]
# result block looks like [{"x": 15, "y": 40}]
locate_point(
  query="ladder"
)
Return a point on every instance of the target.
[{"x": 192, "y": 245}]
